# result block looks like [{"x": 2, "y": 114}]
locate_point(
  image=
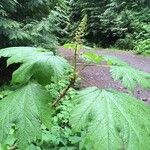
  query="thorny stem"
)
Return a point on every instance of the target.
[
  {"x": 75, "y": 62},
  {"x": 64, "y": 92},
  {"x": 78, "y": 40},
  {"x": 72, "y": 80}
]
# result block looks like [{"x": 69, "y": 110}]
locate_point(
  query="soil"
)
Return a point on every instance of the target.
[{"x": 100, "y": 76}]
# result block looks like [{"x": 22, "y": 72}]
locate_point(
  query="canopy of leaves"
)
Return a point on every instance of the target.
[
  {"x": 111, "y": 120},
  {"x": 36, "y": 64},
  {"x": 120, "y": 23},
  {"x": 32, "y": 22},
  {"x": 25, "y": 109}
]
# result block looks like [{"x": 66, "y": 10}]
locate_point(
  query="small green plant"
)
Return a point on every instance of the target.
[{"x": 143, "y": 47}]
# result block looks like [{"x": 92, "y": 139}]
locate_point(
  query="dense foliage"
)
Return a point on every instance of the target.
[
  {"x": 42, "y": 106},
  {"x": 111, "y": 23},
  {"x": 114, "y": 23},
  {"x": 83, "y": 120},
  {"x": 143, "y": 47},
  {"x": 32, "y": 22}
]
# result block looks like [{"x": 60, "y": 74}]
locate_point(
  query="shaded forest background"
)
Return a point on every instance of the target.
[{"x": 45, "y": 23}]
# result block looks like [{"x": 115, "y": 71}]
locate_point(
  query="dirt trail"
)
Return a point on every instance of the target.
[{"x": 100, "y": 76}]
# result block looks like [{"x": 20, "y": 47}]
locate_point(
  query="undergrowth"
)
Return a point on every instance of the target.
[{"x": 40, "y": 109}]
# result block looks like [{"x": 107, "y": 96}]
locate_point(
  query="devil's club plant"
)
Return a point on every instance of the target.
[
  {"x": 27, "y": 107},
  {"x": 104, "y": 118}
]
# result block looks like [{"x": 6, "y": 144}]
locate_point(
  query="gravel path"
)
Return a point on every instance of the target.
[
  {"x": 137, "y": 61},
  {"x": 100, "y": 76}
]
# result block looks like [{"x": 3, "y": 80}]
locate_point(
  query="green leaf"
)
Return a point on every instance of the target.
[
  {"x": 92, "y": 57},
  {"x": 26, "y": 108},
  {"x": 120, "y": 70},
  {"x": 130, "y": 77},
  {"x": 114, "y": 61},
  {"x": 111, "y": 120},
  {"x": 95, "y": 58},
  {"x": 36, "y": 64},
  {"x": 73, "y": 46}
]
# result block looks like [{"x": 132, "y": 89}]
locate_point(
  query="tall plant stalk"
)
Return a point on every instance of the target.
[{"x": 78, "y": 40}]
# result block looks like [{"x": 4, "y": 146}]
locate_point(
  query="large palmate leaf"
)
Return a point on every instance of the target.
[
  {"x": 26, "y": 108},
  {"x": 130, "y": 77},
  {"x": 36, "y": 63},
  {"x": 111, "y": 120}
]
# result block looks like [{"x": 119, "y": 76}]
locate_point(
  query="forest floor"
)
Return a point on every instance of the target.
[{"x": 100, "y": 76}]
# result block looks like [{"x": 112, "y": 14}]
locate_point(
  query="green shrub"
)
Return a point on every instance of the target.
[
  {"x": 143, "y": 47},
  {"x": 125, "y": 44},
  {"x": 32, "y": 22}
]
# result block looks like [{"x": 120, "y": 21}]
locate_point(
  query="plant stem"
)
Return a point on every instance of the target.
[
  {"x": 75, "y": 62},
  {"x": 64, "y": 92},
  {"x": 72, "y": 80}
]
